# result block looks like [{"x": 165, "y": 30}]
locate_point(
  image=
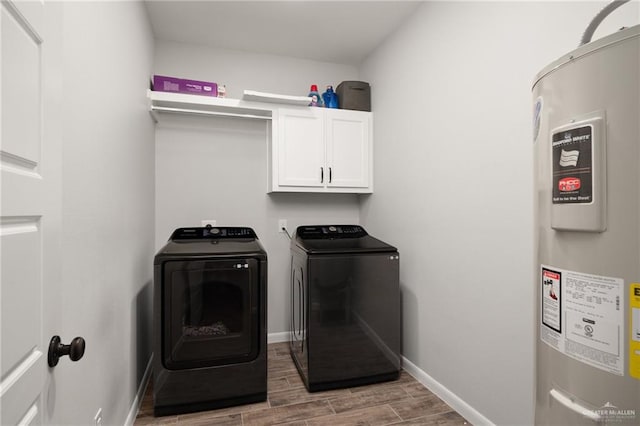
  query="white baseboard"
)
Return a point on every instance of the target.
[
  {"x": 137, "y": 401},
  {"x": 453, "y": 400},
  {"x": 278, "y": 337}
]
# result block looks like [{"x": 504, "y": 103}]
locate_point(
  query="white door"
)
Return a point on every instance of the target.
[
  {"x": 348, "y": 138},
  {"x": 301, "y": 148},
  {"x": 30, "y": 153}
]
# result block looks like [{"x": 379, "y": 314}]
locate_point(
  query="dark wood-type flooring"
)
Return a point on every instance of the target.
[{"x": 401, "y": 402}]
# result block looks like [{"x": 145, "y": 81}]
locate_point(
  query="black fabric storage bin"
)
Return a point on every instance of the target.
[{"x": 354, "y": 95}]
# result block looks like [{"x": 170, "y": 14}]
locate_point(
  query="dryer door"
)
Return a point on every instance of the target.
[{"x": 210, "y": 312}]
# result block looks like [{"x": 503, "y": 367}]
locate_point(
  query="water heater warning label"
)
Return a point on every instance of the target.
[
  {"x": 551, "y": 299},
  {"x": 583, "y": 317},
  {"x": 572, "y": 151}
]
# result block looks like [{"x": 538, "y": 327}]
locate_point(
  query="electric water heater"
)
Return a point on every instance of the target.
[{"x": 587, "y": 234}]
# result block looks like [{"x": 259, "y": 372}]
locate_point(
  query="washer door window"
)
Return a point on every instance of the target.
[{"x": 211, "y": 312}]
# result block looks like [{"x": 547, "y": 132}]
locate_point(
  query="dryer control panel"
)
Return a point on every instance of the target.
[
  {"x": 330, "y": 231},
  {"x": 212, "y": 233}
]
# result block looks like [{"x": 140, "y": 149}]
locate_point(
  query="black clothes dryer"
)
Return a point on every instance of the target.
[
  {"x": 210, "y": 327},
  {"x": 345, "y": 316}
]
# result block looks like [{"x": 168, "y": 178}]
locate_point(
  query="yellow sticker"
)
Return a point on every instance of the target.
[{"x": 634, "y": 341}]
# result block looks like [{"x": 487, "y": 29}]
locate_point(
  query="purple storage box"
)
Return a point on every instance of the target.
[{"x": 163, "y": 83}]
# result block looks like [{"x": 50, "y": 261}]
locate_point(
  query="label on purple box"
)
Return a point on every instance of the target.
[{"x": 179, "y": 85}]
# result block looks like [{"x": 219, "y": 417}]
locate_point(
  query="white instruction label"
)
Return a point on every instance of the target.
[{"x": 583, "y": 317}]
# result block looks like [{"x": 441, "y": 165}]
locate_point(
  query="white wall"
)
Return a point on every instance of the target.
[
  {"x": 453, "y": 150},
  {"x": 108, "y": 217},
  {"x": 217, "y": 168}
]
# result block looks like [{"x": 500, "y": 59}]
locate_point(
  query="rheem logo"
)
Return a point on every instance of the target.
[{"x": 569, "y": 184}]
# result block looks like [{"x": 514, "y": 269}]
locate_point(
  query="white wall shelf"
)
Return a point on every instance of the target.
[
  {"x": 179, "y": 103},
  {"x": 253, "y": 105}
]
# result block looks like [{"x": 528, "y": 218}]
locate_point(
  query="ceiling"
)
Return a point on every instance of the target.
[{"x": 342, "y": 32}]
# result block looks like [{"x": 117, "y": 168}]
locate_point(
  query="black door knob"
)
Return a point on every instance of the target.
[{"x": 75, "y": 350}]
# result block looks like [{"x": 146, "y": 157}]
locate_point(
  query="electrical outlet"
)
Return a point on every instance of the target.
[
  {"x": 282, "y": 225},
  {"x": 98, "y": 417},
  {"x": 206, "y": 222}
]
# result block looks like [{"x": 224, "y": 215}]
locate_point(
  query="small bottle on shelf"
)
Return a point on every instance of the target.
[
  {"x": 316, "y": 100},
  {"x": 330, "y": 98}
]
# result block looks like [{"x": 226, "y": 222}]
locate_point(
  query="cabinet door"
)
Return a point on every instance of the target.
[
  {"x": 348, "y": 142},
  {"x": 301, "y": 150}
]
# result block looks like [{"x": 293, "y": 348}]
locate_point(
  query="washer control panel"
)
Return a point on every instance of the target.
[
  {"x": 212, "y": 233},
  {"x": 330, "y": 231}
]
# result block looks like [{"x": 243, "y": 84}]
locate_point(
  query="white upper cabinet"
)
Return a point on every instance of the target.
[{"x": 321, "y": 150}]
